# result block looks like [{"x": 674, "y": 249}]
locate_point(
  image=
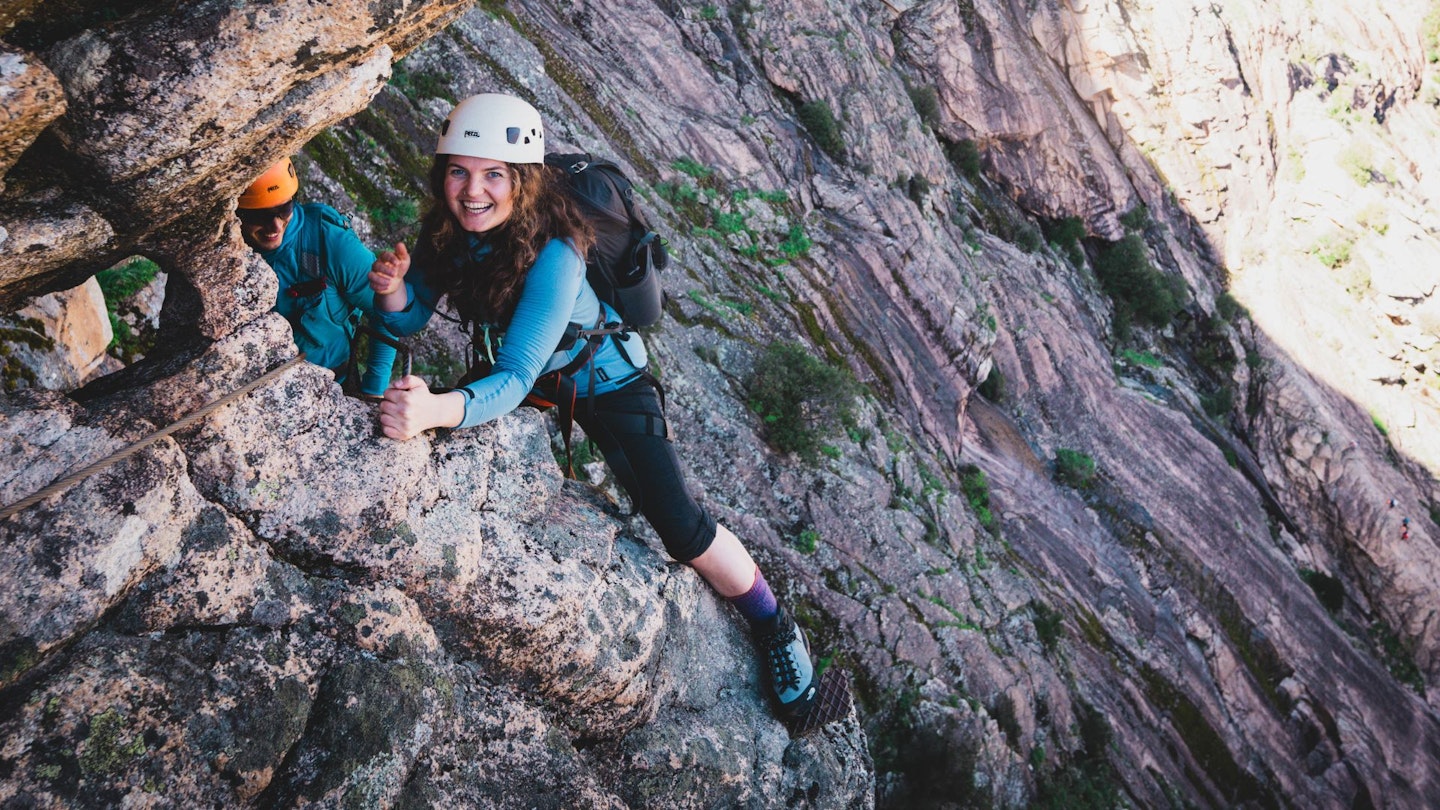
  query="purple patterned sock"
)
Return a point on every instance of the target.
[{"x": 757, "y": 604}]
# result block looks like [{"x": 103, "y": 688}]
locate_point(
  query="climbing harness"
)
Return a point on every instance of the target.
[{"x": 559, "y": 390}]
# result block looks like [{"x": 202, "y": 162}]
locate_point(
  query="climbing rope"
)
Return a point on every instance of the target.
[{"x": 120, "y": 455}]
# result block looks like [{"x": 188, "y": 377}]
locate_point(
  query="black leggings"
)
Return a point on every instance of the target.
[{"x": 628, "y": 426}]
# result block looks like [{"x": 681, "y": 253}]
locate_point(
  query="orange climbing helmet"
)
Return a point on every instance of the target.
[{"x": 275, "y": 187}]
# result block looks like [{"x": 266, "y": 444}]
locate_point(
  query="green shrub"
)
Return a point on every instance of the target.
[
  {"x": 1145, "y": 293},
  {"x": 927, "y": 105},
  {"x": 1430, "y": 34},
  {"x": 1358, "y": 161},
  {"x": 799, "y": 398},
  {"x": 678, "y": 193},
  {"x": 1122, "y": 323},
  {"x": 1067, "y": 233},
  {"x": 808, "y": 541},
  {"x": 125, "y": 279},
  {"x": 976, "y": 488},
  {"x": 1136, "y": 219},
  {"x": 422, "y": 85},
  {"x": 1145, "y": 359},
  {"x": 917, "y": 188},
  {"x": 1074, "y": 468},
  {"x": 1047, "y": 623},
  {"x": 1218, "y": 402},
  {"x": 340, "y": 159},
  {"x": 1005, "y": 717},
  {"x": 1211, "y": 348},
  {"x": 117, "y": 284},
  {"x": 819, "y": 121},
  {"x": 796, "y": 243},
  {"x": 993, "y": 388},
  {"x": 1333, "y": 251},
  {"x": 1379, "y": 425},
  {"x": 728, "y": 222},
  {"x": 395, "y": 219},
  {"x": 1227, "y": 307},
  {"x": 1083, "y": 785},
  {"x": 1328, "y": 589},
  {"x": 1395, "y": 653},
  {"x": 1087, "y": 781},
  {"x": 1067, "y": 230},
  {"x": 1028, "y": 237},
  {"x": 965, "y": 157},
  {"x": 692, "y": 167}
]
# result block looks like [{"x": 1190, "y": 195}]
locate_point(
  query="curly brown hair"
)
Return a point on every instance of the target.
[{"x": 488, "y": 290}]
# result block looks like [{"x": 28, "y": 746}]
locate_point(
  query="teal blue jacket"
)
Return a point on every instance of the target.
[
  {"x": 318, "y": 244},
  {"x": 555, "y": 294}
]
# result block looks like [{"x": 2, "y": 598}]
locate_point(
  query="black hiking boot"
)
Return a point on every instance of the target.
[{"x": 789, "y": 674}]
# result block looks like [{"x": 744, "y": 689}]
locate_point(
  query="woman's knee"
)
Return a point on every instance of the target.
[{"x": 684, "y": 545}]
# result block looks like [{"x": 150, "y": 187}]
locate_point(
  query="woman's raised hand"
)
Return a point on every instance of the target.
[{"x": 387, "y": 274}]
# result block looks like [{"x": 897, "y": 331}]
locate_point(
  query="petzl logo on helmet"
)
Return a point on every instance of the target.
[{"x": 470, "y": 133}]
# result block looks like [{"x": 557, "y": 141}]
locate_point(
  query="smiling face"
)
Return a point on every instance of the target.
[
  {"x": 264, "y": 229},
  {"x": 479, "y": 192}
]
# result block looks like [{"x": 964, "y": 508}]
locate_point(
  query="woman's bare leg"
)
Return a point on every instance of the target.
[{"x": 726, "y": 565}]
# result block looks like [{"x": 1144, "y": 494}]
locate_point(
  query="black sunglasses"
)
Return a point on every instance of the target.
[{"x": 262, "y": 216}]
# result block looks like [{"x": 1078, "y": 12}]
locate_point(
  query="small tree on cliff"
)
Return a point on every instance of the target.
[
  {"x": 799, "y": 398},
  {"x": 1140, "y": 292}
]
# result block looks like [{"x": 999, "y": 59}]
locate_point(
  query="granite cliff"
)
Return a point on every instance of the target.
[{"x": 1136, "y": 502}]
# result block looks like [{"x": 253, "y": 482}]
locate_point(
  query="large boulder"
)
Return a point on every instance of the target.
[
  {"x": 78, "y": 330},
  {"x": 30, "y": 98}
]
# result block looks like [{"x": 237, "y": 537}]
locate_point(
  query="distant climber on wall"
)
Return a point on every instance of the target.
[
  {"x": 322, "y": 267},
  {"x": 507, "y": 245}
]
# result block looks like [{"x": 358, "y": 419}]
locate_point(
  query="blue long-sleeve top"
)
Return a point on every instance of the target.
[
  {"x": 318, "y": 244},
  {"x": 555, "y": 294}
]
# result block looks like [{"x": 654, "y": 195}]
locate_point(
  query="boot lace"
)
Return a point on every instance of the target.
[{"x": 783, "y": 668}]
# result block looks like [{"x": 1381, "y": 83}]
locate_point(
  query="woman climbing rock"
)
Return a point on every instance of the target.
[{"x": 506, "y": 244}]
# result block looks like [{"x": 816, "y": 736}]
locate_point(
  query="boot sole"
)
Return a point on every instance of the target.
[{"x": 832, "y": 702}]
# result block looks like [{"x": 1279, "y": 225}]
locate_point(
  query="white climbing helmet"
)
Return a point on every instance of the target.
[{"x": 495, "y": 126}]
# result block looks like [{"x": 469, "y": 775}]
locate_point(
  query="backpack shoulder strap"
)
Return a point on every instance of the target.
[{"x": 320, "y": 218}]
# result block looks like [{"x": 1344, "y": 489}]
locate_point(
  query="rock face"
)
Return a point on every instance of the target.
[
  {"x": 1185, "y": 562},
  {"x": 306, "y": 612}
]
